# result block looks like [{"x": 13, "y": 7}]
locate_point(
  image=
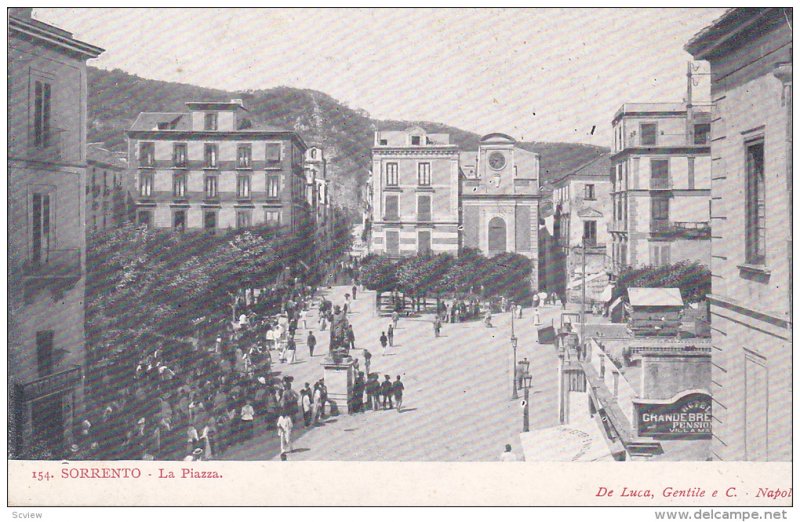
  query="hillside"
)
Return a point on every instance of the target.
[{"x": 116, "y": 98}]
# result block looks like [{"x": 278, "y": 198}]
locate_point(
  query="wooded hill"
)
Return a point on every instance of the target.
[{"x": 346, "y": 134}]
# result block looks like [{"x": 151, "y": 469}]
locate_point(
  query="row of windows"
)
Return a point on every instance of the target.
[
  {"x": 648, "y": 135},
  {"x": 244, "y": 218},
  {"x": 393, "y": 242},
  {"x": 423, "y": 174},
  {"x": 562, "y": 194},
  {"x": 211, "y": 185},
  {"x": 244, "y": 155},
  {"x": 392, "y": 208}
]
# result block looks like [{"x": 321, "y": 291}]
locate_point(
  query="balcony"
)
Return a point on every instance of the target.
[
  {"x": 680, "y": 229},
  {"x": 51, "y": 148},
  {"x": 660, "y": 184},
  {"x": 617, "y": 226},
  {"x": 54, "y": 264},
  {"x": 147, "y": 161}
]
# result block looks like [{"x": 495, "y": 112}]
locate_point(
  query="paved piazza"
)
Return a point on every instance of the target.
[{"x": 456, "y": 406}]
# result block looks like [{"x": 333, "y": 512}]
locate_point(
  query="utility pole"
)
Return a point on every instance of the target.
[{"x": 583, "y": 289}]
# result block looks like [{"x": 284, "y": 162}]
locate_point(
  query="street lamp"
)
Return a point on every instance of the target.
[
  {"x": 527, "y": 379},
  {"x": 514, "y": 363}
]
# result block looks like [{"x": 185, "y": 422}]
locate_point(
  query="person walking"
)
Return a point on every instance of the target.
[
  {"x": 386, "y": 391},
  {"x": 358, "y": 393},
  {"x": 397, "y": 389},
  {"x": 311, "y": 341},
  {"x": 354, "y": 289},
  {"x": 247, "y": 420},
  {"x": 285, "y": 426},
  {"x": 395, "y": 318},
  {"x": 351, "y": 337},
  {"x": 536, "y": 320},
  {"x": 306, "y": 401},
  {"x": 390, "y": 334},
  {"x": 437, "y": 326},
  {"x": 367, "y": 360},
  {"x": 291, "y": 350},
  {"x": 384, "y": 341},
  {"x": 372, "y": 388},
  {"x": 303, "y": 318},
  {"x": 317, "y": 403},
  {"x": 323, "y": 397}
]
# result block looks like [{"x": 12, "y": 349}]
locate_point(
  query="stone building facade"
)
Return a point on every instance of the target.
[
  {"x": 582, "y": 211},
  {"x": 47, "y": 97},
  {"x": 500, "y": 199},
  {"x": 212, "y": 168},
  {"x": 750, "y": 52},
  {"x": 662, "y": 179},
  {"x": 109, "y": 186},
  {"x": 415, "y": 193}
]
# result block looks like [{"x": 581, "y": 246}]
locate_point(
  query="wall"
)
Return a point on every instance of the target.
[{"x": 750, "y": 309}]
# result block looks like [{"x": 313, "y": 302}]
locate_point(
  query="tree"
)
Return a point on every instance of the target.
[
  {"x": 692, "y": 278},
  {"x": 420, "y": 276},
  {"x": 378, "y": 273}
]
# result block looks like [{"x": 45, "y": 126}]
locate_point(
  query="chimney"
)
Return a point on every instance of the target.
[{"x": 21, "y": 12}]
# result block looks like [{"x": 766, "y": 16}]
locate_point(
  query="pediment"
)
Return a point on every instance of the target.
[{"x": 589, "y": 212}]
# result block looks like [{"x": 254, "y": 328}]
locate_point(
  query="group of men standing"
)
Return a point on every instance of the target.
[{"x": 379, "y": 395}]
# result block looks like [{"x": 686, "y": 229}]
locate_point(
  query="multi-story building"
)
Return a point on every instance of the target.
[
  {"x": 414, "y": 193},
  {"x": 499, "y": 199},
  {"x": 319, "y": 200},
  {"x": 750, "y": 52},
  {"x": 582, "y": 210},
  {"x": 46, "y": 237},
  {"x": 212, "y": 168},
  {"x": 108, "y": 186},
  {"x": 661, "y": 179}
]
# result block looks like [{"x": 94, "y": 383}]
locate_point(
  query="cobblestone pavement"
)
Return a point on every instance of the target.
[{"x": 457, "y": 404}]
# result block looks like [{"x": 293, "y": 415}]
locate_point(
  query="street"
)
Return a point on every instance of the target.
[{"x": 457, "y": 404}]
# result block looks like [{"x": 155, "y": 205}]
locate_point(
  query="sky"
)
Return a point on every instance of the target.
[{"x": 536, "y": 74}]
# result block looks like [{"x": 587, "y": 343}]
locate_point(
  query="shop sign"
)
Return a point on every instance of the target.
[{"x": 687, "y": 415}]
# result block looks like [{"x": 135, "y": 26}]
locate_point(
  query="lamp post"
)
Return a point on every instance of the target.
[
  {"x": 514, "y": 361},
  {"x": 527, "y": 378}
]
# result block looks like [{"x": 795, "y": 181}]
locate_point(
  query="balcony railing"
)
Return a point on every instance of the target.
[
  {"x": 660, "y": 184},
  {"x": 64, "y": 263},
  {"x": 681, "y": 229}
]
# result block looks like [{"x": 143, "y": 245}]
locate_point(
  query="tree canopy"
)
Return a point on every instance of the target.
[{"x": 692, "y": 278}]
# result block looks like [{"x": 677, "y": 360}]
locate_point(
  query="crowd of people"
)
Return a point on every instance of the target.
[{"x": 197, "y": 404}]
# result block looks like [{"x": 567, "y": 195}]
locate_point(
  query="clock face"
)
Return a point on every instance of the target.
[{"x": 496, "y": 160}]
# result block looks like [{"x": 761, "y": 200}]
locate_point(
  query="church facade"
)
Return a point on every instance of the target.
[{"x": 499, "y": 199}]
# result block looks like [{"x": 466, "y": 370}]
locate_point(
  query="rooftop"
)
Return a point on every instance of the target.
[
  {"x": 95, "y": 153},
  {"x": 650, "y": 108},
  {"x": 655, "y": 297},
  {"x": 21, "y": 22},
  {"x": 598, "y": 167}
]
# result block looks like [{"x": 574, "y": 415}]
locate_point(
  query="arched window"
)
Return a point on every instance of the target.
[{"x": 497, "y": 236}]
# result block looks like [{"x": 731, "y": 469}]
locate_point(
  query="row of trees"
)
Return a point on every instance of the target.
[
  {"x": 146, "y": 283},
  {"x": 442, "y": 275}
]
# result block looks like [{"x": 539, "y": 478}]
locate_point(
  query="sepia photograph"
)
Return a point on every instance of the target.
[{"x": 387, "y": 236}]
